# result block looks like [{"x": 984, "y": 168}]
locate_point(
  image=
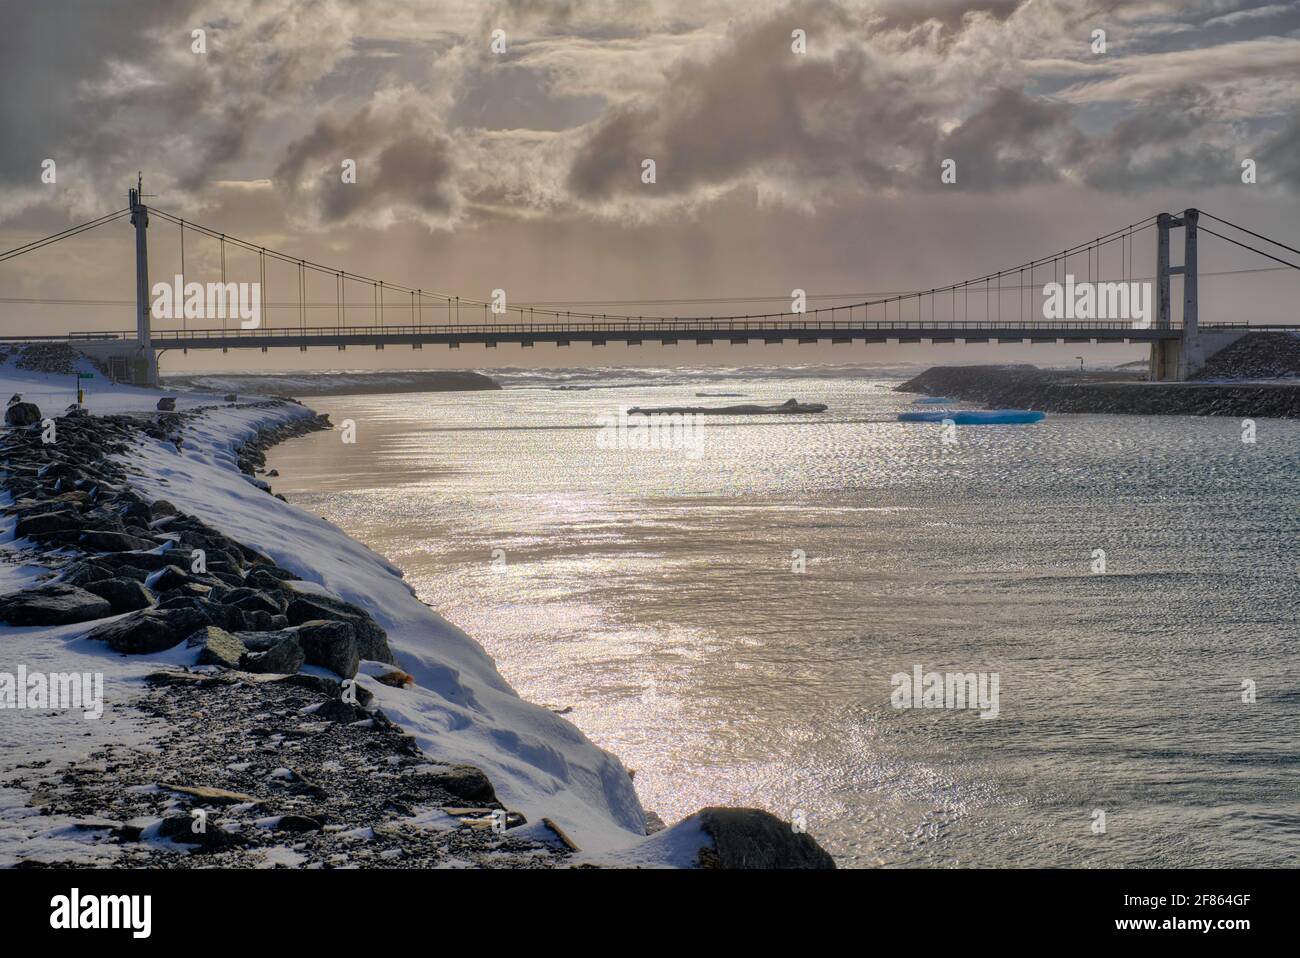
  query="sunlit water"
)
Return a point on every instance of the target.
[{"x": 655, "y": 594}]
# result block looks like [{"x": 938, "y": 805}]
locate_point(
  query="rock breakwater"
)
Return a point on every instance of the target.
[{"x": 1028, "y": 387}]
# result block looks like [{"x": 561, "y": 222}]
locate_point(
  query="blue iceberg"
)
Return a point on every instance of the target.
[
  {"x": 932, "y": 401},
  {"x": 976, "y": 417}
]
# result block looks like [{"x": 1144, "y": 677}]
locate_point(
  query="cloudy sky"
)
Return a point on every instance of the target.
[{"x": 521, "y": 169}]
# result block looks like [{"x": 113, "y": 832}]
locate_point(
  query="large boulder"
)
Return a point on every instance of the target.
[
  {"x": 167, "y": 578},
  {"x": 134, "y": 509},
  {"x": 97, "y": 540},
  {"x": 53, "y": 604},
  {"x": 151, "y": 560},
  {"x": 22, "y": 414},
  {"x": 160, "y": 508},
  {"x": 225, "y": 574},
  {"x": 85, "y": 571},
  {"x": 261, "y": 621},
  {"x": 218, "y": 647},
  {"x": 751, "y": 838},
  {"x": 127, "y": 570},
  {"x": 122, "y": 594},
  {"x": 271, "y": 574},
  {"x": 336, "y": 710},
  {"x": 372, "y": 641},
  {"x": 195, "y": 590},
  {"x": 31, "y": 507},
  {"x": 331, "y": 645},
  {"x": 251, "y": 600},
  {"x": 34, "y": 526},
  {"x": 463, "y": 781},
  {"x": 327, "y": 686},
  {"x": 297, "y": 824},
  {"x": 208, "y": 612},
  {"x": 276, "y": 652},
  {"x": 210, "y": 837},
  {"x": 266, "y": 578},
  {"x": 150, "y": 630}
]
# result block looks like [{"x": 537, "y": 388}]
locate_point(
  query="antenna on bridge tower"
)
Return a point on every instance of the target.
[{"x": 146, "y": 366}]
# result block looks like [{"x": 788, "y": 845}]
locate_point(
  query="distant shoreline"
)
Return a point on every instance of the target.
[{"x": 359, "y": 382}]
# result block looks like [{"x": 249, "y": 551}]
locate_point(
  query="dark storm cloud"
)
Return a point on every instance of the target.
[
  {"x": 848, "y": 117},
  {"x": 398, "y": 169},
  {"x": 1013, "y": 140},
  {"x": 759, "y": 108},
  {"x": 1168, "y": 142}
]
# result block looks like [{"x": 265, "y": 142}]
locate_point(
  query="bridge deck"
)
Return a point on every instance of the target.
[
  {"x": 634, "y": 332},
  {"x": 773, "y": 330}
]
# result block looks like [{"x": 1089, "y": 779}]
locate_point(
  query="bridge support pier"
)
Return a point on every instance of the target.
[
  {"x": 1166, "y": 359},
  {"x": 1180, "y": 359},
  {"x": 145, "y": 372}
]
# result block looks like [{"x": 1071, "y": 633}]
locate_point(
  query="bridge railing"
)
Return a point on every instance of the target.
[
  {"x": 65, "y": 337},
  {"x": 756, "y": 325}
]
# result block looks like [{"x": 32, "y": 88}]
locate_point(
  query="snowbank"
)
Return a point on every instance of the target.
[{"x": 461, "y": 709}]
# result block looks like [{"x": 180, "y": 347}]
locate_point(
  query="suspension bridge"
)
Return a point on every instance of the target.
[{"x": 1003, "y": 307}]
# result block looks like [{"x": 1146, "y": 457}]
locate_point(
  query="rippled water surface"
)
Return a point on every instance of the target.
[{"x": 654, "y": 593}]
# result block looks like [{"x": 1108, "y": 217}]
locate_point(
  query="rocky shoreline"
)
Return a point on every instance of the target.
[
  {"x": 259, "y": 764},
  {"x": 1028, "y": 387},
  {"x": 179, "y": 581}
]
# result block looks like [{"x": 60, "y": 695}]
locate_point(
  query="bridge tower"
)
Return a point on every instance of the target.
[
  {"x": 1177, "y": 359},
  {"x": 146, "y": 361}
]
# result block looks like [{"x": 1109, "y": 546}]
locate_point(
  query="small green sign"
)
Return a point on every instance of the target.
[{"x": 85, "y": 375}]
